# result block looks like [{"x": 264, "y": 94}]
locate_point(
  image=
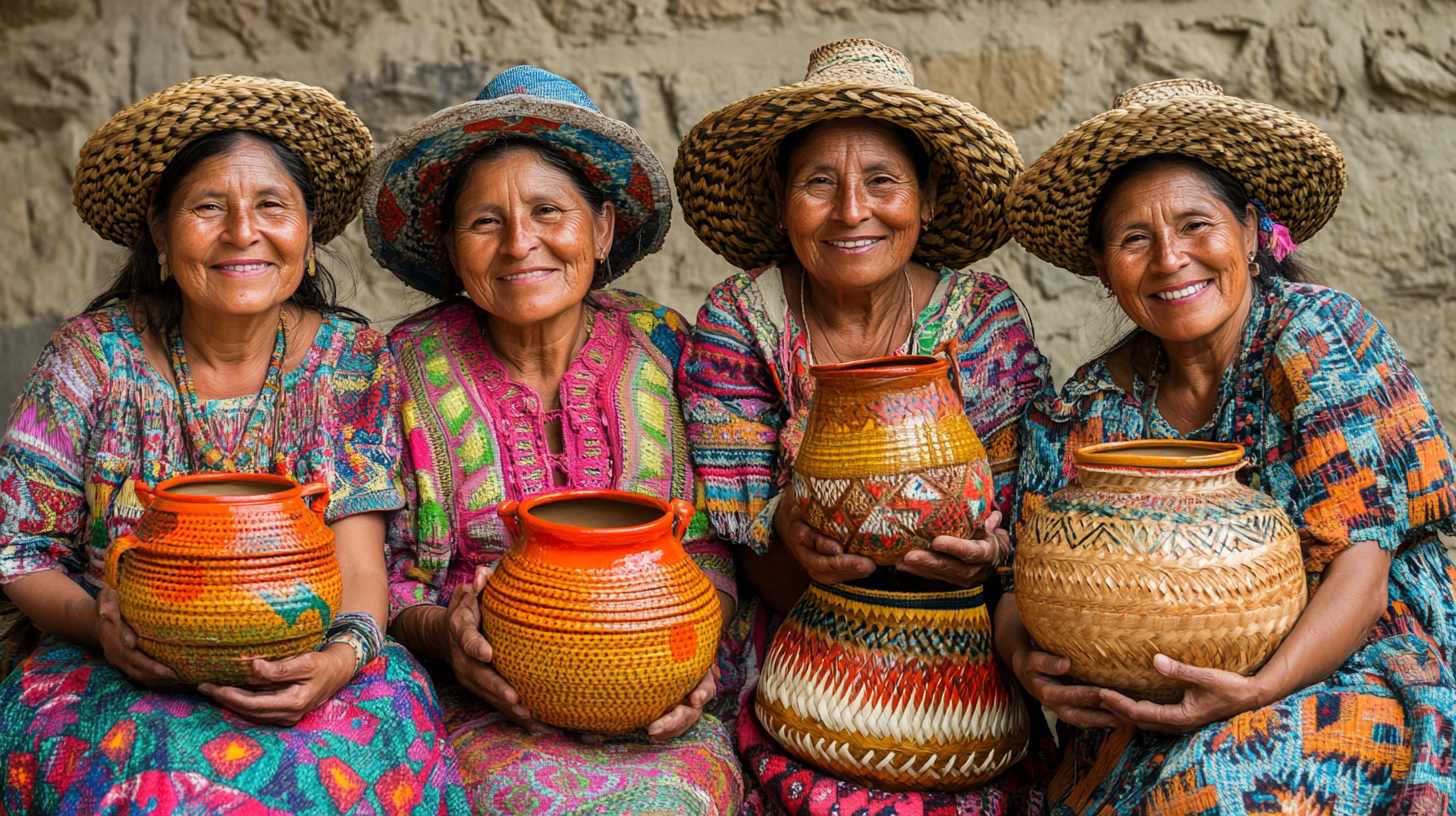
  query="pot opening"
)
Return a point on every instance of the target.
[
  {"x": 596, "y": 513},
  {"x": 226, "y": 488},
  {"x": 1170, "y": 451},
  {"x": 889, "y": 362}
]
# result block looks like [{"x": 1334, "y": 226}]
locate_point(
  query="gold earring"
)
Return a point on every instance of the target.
[
  {"x": 162, "y": 262},
  {"x": 1253, "y": 266},
  {"x": 310, "y": 265}
]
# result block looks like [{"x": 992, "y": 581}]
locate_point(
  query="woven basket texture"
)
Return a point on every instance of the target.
[
  {"x": 726, "y": 162},
  {"x": 602, "y": 646},
  {"x": 121, "y": 162},
  {"x": 1127, "y": 563},
  {"x": 895, "y": 691},
  {"x": 889, "y": 460},
  {"x": 1282, "y": 159}
]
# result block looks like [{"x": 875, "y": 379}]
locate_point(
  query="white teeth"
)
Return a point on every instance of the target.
[
  {"x": 854, "y": 244},
  {"x": 245, "y": 267},
  {"x": 520, "y": 276},
  {"x": 1181, "y": 293}
]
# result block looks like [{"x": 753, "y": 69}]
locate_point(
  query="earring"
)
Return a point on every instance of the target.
[
  {"x": 310, "y": 265},
  {"x": 162, "y": 262},
  {"x": 1253, "y": 266},
  {"x": 781, "y": 223},
  {"x": 925, "y": 225},
  {"x": 1107, "y": 291}
]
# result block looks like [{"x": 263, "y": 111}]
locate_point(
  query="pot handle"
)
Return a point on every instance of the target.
[
  {"x": 320, "y": 502},
  {"x": 113, "y": 559},
  {"x": 145, "y": 495},
  {"x": 951, "y": 350},
  {"x": 682, "y": 514},
  {"x": 507, "y": 512}
]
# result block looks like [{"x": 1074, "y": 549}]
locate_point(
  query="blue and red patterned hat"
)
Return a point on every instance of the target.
[{"x": 404, "y": 198}]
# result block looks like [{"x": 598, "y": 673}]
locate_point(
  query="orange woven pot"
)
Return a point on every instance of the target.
[
  {"x": 1157, "y": 548},
  {"x": 224, "y": 568},
  {"x": 889, "y": 460},
  {"x": 596, "y": 615}
]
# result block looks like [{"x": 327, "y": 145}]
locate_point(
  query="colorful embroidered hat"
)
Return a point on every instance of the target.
[
  {"x": 726, "y": 163},
  {"x": 1283, "y": 160},
  {"x": 404, "y": 196},
  {"x": 121, "y": 162}
]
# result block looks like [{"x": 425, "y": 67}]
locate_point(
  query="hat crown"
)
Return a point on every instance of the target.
[
  {"x": 538, "y": 82},
  {"x": 860, "y": 62},
  {"x": 1166, "y": 89}
]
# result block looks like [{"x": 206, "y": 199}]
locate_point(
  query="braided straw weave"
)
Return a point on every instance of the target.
[
  {"x": 892, "y": 690},
  {"x": 726, "y": 162},
  {"x": 1282, "y": 159},
  {"x": 1130, "y": 562},
  {"x": 121, "y": 162}
]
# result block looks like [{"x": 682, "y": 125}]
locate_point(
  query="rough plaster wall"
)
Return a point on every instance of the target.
[{"x": 1379, "y": 76}]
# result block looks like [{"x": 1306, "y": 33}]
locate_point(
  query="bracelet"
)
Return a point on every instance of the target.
[{"x": 361, "y": 632}]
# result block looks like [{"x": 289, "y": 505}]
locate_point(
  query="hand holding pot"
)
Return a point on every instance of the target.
[
  {"x": 119, "y": 644},
  {"x": 959, "y": 561},
  {"x": 822, "y": 557},
  {"x": 471, "y": 655},
  {"x": 287, "y": 689}
]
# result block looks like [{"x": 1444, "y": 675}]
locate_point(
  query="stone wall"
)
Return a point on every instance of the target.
[{"x": 1378, "y": 75}]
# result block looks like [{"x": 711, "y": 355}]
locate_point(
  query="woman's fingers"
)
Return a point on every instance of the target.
[
  {"x": 1047, "y": 663},
  {"x": 938, "y": 567},
  {"x": 1086, "y": 717},
  {"x": 279, "y": 706},
  {"x": 292, "y": 670},
  {"x": 674, "y": 723}
]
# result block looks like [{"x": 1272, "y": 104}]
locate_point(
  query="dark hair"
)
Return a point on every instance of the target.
[
  {"x": 1227, "y": 189},
  {"x": 593, "y": 195},
  {"x": 157, "y": 304},
  {"x": 908, "y": 142}
]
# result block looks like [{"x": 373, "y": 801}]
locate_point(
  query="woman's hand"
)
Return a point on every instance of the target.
[
  {"x": 822, "y": 557},
  {"x": 119, "y": 645},
  {"x": 1213, "y": 695},
  {"x": 1077, "y": 705},
  {"x": 676, "y": 722},
  {"x": 287, "y": 690},
  {"x": 470, "y": 657},
  {"x": 959, "y": 561}
]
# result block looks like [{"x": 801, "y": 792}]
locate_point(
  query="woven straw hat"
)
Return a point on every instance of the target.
[
  {"x": 121, "y": 162},
  {"x": 1282, "y": 159},
  {"x": 404, "y": 198},
  {"x": 725, "y": 164}
]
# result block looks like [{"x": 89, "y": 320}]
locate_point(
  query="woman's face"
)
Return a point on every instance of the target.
[
  {"x": 236, "y": 232},
  {"x": 851, "y": 203},
  {"x": 524, "y": 242},
  {"x": 1175, "y": 257}
]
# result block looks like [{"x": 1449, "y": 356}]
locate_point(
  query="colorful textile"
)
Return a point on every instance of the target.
[
  {"x": 96, "y": 417},
  {"x": 1339, "y": 431},
  {"x": 77, "y": 736},
  {"x": 745, "y": 387},
  {"x": 475, "y": 439}
]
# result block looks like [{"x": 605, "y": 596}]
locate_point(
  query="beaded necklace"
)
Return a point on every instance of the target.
[{"x": 244, "y": 454}]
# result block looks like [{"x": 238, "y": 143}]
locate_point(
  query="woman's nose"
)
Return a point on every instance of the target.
[
  {"x": 852, "y": 204},
  {"x": 520, "y": 238}
]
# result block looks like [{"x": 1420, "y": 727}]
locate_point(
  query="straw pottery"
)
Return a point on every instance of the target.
[
  {"x": 1157, "y": 548},
  {"x": 892, "y": 690},
  {"x": 596, "y": 615},
  {"x": 225, "y": 567},
  {"x": 889, "y": 460}
]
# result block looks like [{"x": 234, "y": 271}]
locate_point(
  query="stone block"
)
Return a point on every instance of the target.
[
  {"x": 593, "y": 18},
  {"x": 716, "y": 10},
  {"x": 1305, "y": 77},
  {"x": 26, "y": 12},
  {"x": 1016, "y": 88},
  {"x": 1412, "y": 79}
]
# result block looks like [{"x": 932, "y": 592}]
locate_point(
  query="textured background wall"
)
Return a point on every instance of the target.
[{"x": 1379, "y": 76}]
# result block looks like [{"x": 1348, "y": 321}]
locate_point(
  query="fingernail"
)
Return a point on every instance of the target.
[{"x": 521, "y": 711}]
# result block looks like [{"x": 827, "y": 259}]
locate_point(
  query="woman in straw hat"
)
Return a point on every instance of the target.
[
  {"x": 852, "y": 199},
  {"x": 1187, "y": 204},
  {"x": 516, "y": 210},
  {"x": 219, "y": 347}
]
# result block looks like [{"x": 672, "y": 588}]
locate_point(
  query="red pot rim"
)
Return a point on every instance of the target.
[
  {"x": 288, "y": 488},
  {"x": 881, "y": 367},
  {"x": 657, "y": 525},
  {"x": 1132, "y": 454}
]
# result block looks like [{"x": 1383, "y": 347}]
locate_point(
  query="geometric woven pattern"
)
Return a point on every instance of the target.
[{"x": 897, "y": 691}]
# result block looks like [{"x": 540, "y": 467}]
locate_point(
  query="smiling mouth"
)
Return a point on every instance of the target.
[
  {"x": 519, "y": 276},
  {"x": 863, "y": 242},
  {"x": 1187, "y": 291},
  {"x": 245, "y": 269}
]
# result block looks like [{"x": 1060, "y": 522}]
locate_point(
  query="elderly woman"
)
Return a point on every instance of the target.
[
  {"x": 1170, "y": 201},
  {"x": 218, "y": 347},
  {"x": 537, "y": 379},
  {"x": 851, "y": 209}
]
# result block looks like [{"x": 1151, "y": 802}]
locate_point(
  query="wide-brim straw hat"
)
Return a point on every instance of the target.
[
  {"x": 1282, "y": 159},
  {"x": 726, "y": 164},
  {"x": 122, "y": 161},
  {"x": 404, "y": 198}
]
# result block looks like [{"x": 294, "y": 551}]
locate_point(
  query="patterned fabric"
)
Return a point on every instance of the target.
[
  {"x": 745, "y": 387},
  {"x": 475, "y": 439},
  {"x": 1338, "y": 431},
  {"x": 77, "y": 736}
]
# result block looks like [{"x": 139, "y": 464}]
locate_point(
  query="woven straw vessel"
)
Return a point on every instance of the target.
[
  {"x": 897, "y": 691},
  {"x": 1156, "y": 548},
  {"x": 596, "y": 615},
  {"x": 889, "y": 460},
  {"x": 225, "y": 567}
]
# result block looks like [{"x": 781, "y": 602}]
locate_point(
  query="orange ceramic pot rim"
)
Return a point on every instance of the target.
[
  {"x": 287, "y": 488},
  {"x": 1163, "y": 454},
  {"x": 570, "y": 531},
  {"x": 880, "y": 367}
]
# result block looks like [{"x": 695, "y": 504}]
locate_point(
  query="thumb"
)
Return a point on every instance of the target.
[
  {"x": 482, "y": 575},
  {"x": 993, "y": 521},
  {"x": 1196, "y": 675}
]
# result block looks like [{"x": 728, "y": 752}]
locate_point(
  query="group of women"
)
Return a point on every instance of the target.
[{"x": 855, "y": 202}]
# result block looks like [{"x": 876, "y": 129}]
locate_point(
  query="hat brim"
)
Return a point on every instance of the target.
[
  {"x": 726, "y": 162},
  {"x": 404, "y": 197},
  {"x": 121, "y": 162},
  {"x": 1281, "y": 158}
]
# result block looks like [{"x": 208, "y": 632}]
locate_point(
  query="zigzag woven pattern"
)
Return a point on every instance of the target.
[{"x": 892, "y": 690}]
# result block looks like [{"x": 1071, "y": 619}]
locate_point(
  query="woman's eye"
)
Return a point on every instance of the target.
[
  {"x": 547, "y": 209},
  {"x": 482, "y": 223}
]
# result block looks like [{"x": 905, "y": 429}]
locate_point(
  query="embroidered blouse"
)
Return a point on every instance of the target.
[
  {"x": 745, "y": 387},
  {"x": 96, "y": 417},
  {"x": 474, "y": 438}
]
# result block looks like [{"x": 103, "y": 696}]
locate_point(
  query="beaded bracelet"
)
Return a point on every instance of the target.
[{"x": 361, "y": 632}]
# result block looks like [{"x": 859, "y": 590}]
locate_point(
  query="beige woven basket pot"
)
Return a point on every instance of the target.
[{"x": 1157, "y": 549}]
